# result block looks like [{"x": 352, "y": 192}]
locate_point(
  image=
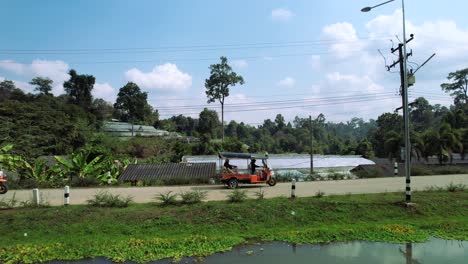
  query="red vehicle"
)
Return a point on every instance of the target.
[
  {"x": 3, "y": 185},
  {"x": 231, "y": 177}
]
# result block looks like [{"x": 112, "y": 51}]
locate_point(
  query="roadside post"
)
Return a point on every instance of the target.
[
  {"x": 395, "y": 168},
  {"x": 66, "y": 196},
  {"x": 36, "y": 197},
  {"x": 109, "y": 180},
  {"x": 293, "y": 188}
]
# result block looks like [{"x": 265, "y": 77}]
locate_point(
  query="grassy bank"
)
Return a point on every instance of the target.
[{"x": 147, "y": 232}]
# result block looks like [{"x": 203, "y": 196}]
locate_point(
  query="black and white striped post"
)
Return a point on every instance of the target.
[
  {"x": 293, "y": 188},
  {"x": 395, "y": 169},
  {"x": 408, "y": 190},
  {"x": 66, "y": 196}
]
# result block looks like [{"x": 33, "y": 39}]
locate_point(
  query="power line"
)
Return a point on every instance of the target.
[
  {"x": 281, "y": 102},
  {"x": 185, "y": 47},
  {"x": 294, "y": 106}
]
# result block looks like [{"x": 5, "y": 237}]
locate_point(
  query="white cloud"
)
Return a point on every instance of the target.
[
  {"x": 345, "y": 37},
  {"x": 240, "y": 64},
  {"x": 104, "y": 91},
  {"x": 165, "y": 77},
  {"x": 315, "y": 62},
  {"x": 287, "y": 82},
  {"x": 2, "y": 79},
  {"x": 56, "y": 70},
  {"x": 281, "y": 14}
]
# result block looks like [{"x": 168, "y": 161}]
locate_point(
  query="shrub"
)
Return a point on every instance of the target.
[
  {"x": 192, "y": 197},
  {"x": 375, "y": 172},
  {"x": 237, "y": 196},
  {"x": 8, "y": 203},
  {"x": 319, "y": 194},
  {"x": 260, "y": 194},
  {"x": 455, "y": 187},
  {"x": 450, "y": 170},
  {"x": 419, "y": 170},
  {"x": 335, "y": 176},
  {"x": 106, "y": 199},
  {"x": 434, "y": 189},
  {"x": 167, "y": 198}
]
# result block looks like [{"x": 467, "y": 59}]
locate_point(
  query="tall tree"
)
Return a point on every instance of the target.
[
  {"x": 43, "y": 85},
  {"x": 208, "y": 123},
  {"x": 217, "y": 86},
  {"x": 132, "y": 104},
  {"x": 79, "y": 88},
  {"x": 458, "y": 88}
]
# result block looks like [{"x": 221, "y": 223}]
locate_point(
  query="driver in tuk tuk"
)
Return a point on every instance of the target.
[
  {"x": 253, "y": 166},
  {"x": 229, "y": 167}
]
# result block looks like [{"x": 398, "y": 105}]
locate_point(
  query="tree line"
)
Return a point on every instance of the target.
[{"x": 44, "y": 124}]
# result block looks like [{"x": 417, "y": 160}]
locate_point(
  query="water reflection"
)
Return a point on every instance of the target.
[{"x": 433, "y": 251}]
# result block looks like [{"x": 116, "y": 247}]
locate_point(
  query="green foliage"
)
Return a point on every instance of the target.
[
  {"x": 237, "y": 196},
  {"x": 192, "y": 197},
  {"x": 106, "y": 199},
  {"x": 456, "y": 187},
  {"x": 167, "y": 198},
  {"x": 260, "y": 194},
  {"x": 217, "y": 85},
  {"x": 131, "y": 104},
  {"x": 419, "y": 170},
  {"x": 458, "y": 88},
  {"x": 319, "y": 194},
  {"x": 8, "y": 203},
  {"x": 79, "y": 88},
  {"x": 43, "y": 85},
  {"x": 145, "y": 233},
  {"x": 80, "y": 166},
  {"x": 375, "y": 172},
  {"x": 335, "y": 175}
]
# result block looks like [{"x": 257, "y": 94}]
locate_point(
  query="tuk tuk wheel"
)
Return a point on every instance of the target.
[
  {"x": 271, "y": 182},
  {"x": 232, "y": 184},
  {"x": 3, "y": 188}
]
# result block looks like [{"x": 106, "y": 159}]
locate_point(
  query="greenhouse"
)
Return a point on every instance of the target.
[{"x": 294, "y": 163}]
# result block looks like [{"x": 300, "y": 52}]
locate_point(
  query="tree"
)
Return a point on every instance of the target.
[
  {"x": 79, "y": 88},
  {"x": 43, "y": 85},
  {"x": 208, "y": 123},
  {"x": 217, "y": 86},
  {"x": 131, "y": 103},
  {"x": 458, "y": 88},
  {"x": 8, "y": 90}
]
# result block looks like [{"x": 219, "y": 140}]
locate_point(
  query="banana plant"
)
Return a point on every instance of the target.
[
  {"x": 9, "y": 161},
  {"x": 79, "y": 166},
  {"x": 40, "y": 172},
  {"x": 115, "y": 167}
]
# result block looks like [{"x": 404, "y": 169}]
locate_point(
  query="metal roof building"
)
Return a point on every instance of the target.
[
  {"x": 123, "y": 129},
  {"x": 167, "y": 172}
]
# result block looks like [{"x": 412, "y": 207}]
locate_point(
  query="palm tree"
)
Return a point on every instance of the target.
[
  {"x": 392, "y": 143},
  {"x": 450, "y": 139}
]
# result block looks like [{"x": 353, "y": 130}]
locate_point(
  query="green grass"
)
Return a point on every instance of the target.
[{"x": 145, "y": 232}]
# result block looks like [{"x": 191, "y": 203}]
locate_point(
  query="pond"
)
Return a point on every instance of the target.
[{"x": 433, "y": 251}]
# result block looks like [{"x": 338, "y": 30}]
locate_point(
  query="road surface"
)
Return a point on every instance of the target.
[{"x": 219, "y": 192}]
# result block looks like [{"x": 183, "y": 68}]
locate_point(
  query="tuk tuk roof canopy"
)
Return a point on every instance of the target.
[{"x": 234, "y": 155}]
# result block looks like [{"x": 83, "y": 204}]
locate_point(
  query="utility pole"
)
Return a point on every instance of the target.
[
  {"x": 404, "y": 93},
  {"x": 311, "y": 147}
]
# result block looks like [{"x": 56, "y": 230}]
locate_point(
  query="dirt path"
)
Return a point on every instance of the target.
[{"x": 218, "y": 192}]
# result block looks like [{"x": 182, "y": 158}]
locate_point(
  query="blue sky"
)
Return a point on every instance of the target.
[{"x": 304, "y": 50}]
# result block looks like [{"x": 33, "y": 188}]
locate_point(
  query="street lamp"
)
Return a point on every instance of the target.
[{"x": 405, "y": 99}]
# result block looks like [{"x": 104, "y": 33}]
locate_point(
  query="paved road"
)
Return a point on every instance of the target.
[{"x": 218, "y": 192}]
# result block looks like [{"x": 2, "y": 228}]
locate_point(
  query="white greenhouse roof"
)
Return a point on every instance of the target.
[{"x": 292, "y": 161}]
